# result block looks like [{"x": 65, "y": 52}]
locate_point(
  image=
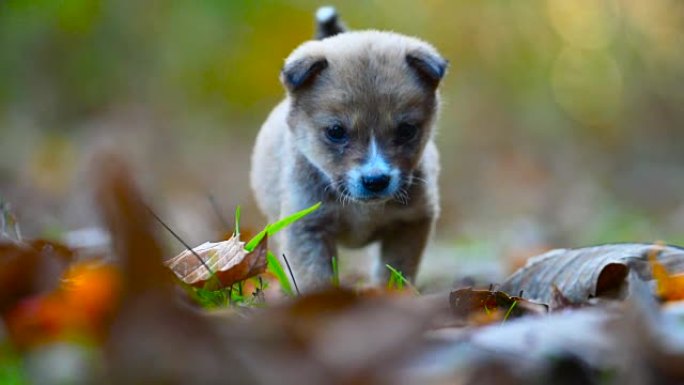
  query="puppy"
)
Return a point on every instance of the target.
[{"x": 355, "y": 132}]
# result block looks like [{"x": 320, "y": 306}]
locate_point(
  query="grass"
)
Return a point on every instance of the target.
[
  {"x": 281, "y": 224},
  {"x": 289, "y": 269},
  {"x": 276, "y": 268},
  {"x": 397, "y": 281},
  {"x": 335, "y": 271},
  {"x": 486, "y": 309},
  {"x": 211, "y": 297},
  {"x": 508, "y": 312},
  {"x": 237, "y": 222},
  {"x": 11, "y": 368}
]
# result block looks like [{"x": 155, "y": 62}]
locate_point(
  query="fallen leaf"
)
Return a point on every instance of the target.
[
  {"x": 337, "y": 337},
  {"x": 30, "y": 268},
  {"x": 227, "y": 260},
  {"x": 532, "y": 342},
  {"x": 584, "y": 273},
  {"x": 527, "y": 347},
  {"x": 131, "y": 228},
  {"x": 36, "y": 321},
  {"x": 670, "y": 287},
  {"x": 81, "y": 306},
  {"x": 486, "y": 306},
  {"x": 91, "y": 290},
  {"x": 558, "y": 300},
  {"x": 17, "y": 266},
  {"x": 153, "y": 339},
  {"x": 54, "y": 249}
]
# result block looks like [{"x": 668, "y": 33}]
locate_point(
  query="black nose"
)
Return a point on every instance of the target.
[{"x": 375, "y": 183}]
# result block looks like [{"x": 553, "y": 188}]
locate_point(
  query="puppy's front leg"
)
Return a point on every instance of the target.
[
  {"x": 402, "y": 247},
  {"x": 309, "y": 248}
]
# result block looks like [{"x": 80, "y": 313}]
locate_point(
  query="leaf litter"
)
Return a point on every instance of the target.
[{"x": 617, "y": 314}]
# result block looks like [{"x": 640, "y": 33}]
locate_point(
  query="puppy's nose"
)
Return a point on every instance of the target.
[{"x": 375, "y": 183}]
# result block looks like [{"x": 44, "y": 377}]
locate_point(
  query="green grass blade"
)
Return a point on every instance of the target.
[
  {"x": 391, "y": 282},
  {"x": 281, "y": 224},
  {"x": 12, "y": 370},
  {"x": 236, "y": 292},
  {"x": 397, "y": 280},
  {"x": 336, "y": 272},
  {"x": 237, "y": 220},
  {"x": 510, "y": 309},
  {"x": 211, "y": 298},
  {"x": 255, "y": 240},
  {"x": 276, "y": 268}
]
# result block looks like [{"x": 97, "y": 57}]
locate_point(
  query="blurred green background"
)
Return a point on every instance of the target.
[{"x": 562, "y": 121}]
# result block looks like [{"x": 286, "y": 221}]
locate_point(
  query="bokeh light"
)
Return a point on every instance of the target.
[
  {"x": 590, "y": 24},
  {"x": 588, "y": 85},
  {"x": 553, "y": 112}
]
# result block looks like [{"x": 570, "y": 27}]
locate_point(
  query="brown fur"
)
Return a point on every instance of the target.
[{"x": 369, "y": 82}]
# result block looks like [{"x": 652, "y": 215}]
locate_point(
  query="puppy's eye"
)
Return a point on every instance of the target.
[
  {"x": 336, "y": 133},
  {"x": 406, "y": 132}
]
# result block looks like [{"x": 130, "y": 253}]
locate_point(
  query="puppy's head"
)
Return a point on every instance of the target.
[{"x": 362, "y": 107}]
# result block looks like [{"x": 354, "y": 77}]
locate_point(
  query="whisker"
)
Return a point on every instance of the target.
[
  {"x": 348, "y": 198},
  {"x": 329, "y": 186},
  {"x": 342, "y": 194},
  {"x": 402, "y": 196}
]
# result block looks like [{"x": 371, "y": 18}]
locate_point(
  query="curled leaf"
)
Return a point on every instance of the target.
[
  {"x": 600, "y": 271},
  {"x": 227, "y": 260}
]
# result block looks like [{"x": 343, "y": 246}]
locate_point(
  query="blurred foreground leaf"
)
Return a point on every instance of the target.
[
  {"x": 153, "y": 339},
  {"x": 29, "y": 268},
  {"x": 80, "y": 308}
]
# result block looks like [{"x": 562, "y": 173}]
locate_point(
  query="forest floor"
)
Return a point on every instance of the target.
[{"x": 114, "y": 308}]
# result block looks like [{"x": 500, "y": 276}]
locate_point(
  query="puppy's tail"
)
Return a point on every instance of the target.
[{"x": 328, "y": 23}]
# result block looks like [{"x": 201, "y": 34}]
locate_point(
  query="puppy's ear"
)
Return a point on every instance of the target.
[
  {"x": 430, "y": 68},
  {"x": 302, "y": 72}
]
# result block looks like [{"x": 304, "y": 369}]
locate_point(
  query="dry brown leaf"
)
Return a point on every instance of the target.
[
  {"x": 670, "y": 287},
  {"x": 81, "y": 305},
  {"x": 227, "y": 259},
  {"x": 338, "y": 337},
  {"x": 486, "y": 306},
  {"x": 584, "y": 273},
  {"x": 62, "y": 253},
  {"x": 131, "y": 228},
  {"x": 18, "y": 264},
  {"x": 559, "y": 302},
  {"x": 29, "y": 268},
  {"x": 150, "y": 326}
]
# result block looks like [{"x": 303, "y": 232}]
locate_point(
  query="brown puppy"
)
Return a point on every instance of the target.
[{"x": 356, "y": 133}]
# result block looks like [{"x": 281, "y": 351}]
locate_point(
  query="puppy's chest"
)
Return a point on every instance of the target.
[{"x": 359, "y": 225}]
